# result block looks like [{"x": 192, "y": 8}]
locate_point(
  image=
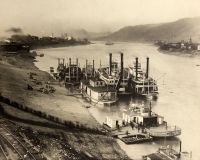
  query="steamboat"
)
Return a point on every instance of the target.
[
  {"x": 150, "y": 122},
  {"x": 142, "y": 84},
  {"x": 168, "y": 153},
  {"x": 70, "y": 73},
  {"x": 95, "y": 89},
  {"x": 106, "y": 84},
  {"x": 116, "y": 76}
]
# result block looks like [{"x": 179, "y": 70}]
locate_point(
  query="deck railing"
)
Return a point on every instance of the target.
[{"x": 170, "y": 131}]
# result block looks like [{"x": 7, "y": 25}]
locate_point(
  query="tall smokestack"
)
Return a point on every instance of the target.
[
  {"x": 69, "y": 70},
  {"x": 110, "y": 64},
  {"x": 136, "y": 68},
  {"x": 93, "y": 68},
  {"x": 69, "y": 61},
  {"x": 58, "y": 61},
  {"x": 77, "y": 61},
  {"x": 86, "y": 65},
  {"x": 77, "y": 72},
  {"x": 147, "y": 69},
  {"x": 150, "y": 110},
  {"x": 180, "y": 147},
  {"x": 122, "y": 65}
]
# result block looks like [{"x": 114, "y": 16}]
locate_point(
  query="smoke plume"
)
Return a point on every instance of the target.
[{"x": 15, "y": 30}]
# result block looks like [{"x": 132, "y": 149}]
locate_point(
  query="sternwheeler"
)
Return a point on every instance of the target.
[
  {"x": 116, "y": 76},
  {"x": 152, "y": 123},
  {"x": 142, "y": 84}
]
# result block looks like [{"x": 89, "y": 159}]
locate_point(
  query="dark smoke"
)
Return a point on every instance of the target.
[{"x": 15, "y": 30}]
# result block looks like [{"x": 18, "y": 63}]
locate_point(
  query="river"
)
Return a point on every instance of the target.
[{"x": 178, "y": 77}]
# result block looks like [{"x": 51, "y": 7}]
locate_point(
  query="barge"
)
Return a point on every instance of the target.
[{"x": 136, "y": 138}]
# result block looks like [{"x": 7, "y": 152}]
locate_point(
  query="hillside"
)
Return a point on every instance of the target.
[
  {"x": 173, "y": 31},
  {"x": 82, "y": 33}
]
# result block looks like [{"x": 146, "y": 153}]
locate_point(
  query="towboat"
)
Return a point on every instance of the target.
[{"x": 152, "y": 123}]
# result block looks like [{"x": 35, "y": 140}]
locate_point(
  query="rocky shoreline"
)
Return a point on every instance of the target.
[{"x": 18, "y": 75}]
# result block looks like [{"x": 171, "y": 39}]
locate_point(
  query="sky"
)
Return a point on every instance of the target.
[{"x": 43, "y": 17}]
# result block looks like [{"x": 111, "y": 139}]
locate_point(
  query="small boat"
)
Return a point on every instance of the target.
[
  {"x": 109, "y": 43},
  {"x": 87, "y": 106},
  {"x": 136, "y": 138},
  {"x": 51, "y": 69},
  {"x": 41, "y": 54}
]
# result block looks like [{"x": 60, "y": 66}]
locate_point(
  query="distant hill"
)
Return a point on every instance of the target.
[
  {"x": 82, "y": 33},
  {"x": 174, "y": 31}
]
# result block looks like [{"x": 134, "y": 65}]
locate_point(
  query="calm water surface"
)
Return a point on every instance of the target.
[{"x": 179, "y": 86}]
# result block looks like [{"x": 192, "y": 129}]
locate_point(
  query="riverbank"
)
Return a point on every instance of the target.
[
  {"x": 179, "y": 52},
  {"x": 22, "y": 86}
]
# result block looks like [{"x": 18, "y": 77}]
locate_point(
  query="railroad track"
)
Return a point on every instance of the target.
[
  {"x": 17, "y": 146},
  {"x": 14, "y": 149},
  {"x": 3, "y": 154}
]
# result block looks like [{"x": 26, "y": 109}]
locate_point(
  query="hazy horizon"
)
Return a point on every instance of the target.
[{"x": 59, "y": 16}]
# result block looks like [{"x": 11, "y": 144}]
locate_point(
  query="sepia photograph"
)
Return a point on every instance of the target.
[{"x": 99, "y": 80}]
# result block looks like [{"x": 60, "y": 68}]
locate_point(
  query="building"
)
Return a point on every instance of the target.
[
  {"x": 98, "y": 92},
  {"x": 143, "y": 116}
]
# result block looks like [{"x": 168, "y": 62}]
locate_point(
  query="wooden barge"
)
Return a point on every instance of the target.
[{"x": 136, "y": 138}]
